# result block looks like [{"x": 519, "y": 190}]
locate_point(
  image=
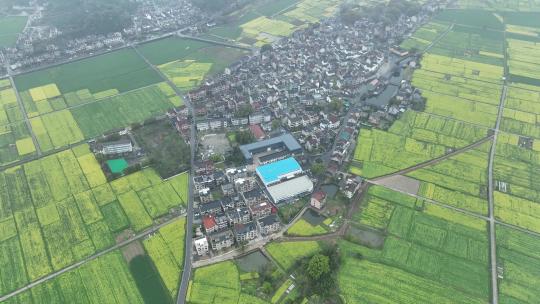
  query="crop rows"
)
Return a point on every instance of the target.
[
  {"x": 166, "y": 249},
  {"x": 422, "y": 246},
  {"x": 207, "y": 287},
  {"x": 15, "y": 140},
  {"x": 60, "y": 209},
  {"x": 413, "y": 139}
]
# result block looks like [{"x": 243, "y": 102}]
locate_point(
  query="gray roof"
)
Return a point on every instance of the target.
[{"x": 287, "y": 139}]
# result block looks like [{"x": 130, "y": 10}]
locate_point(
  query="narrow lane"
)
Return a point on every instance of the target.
[{"x": 188, "y": 248}]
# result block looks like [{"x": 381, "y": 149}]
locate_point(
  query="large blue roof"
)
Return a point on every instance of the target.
[{"x": 273, "y": 172}]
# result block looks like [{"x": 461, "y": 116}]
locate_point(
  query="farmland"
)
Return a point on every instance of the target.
[
  {"x": 60, "y": 209},
  {"x": 166, "y": 249},
  {"x": 304, "y": 228},
  {"x": 10, "y": 28},
  {"x": 263, "y": 23},
  {"x": 122, "y": 70},
  {"x": 413, "y": 139},
  {"x": 425, "y": 35},
  {"x": 460, "y": 181},
  {"x": 435, "y": 256},
  {"x": 206, "y": 287},
  {"x": 519, "y": 259},
  {"x": 186, "y": 62},
  {"x": 15, "y": 139},
  {"x": 287, "y": 254},
  {"x": 104, "y": 280}
]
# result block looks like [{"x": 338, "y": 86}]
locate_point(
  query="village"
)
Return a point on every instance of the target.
[
  {"x": 41, "y": 44},
  {"x": 301, "y": 102}
]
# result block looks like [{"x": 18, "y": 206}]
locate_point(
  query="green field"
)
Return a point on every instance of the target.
[
  {"x": 104, "y": 280},
  {"x": 265, "y": 22},
  {"x": 122, "y": 70},
  {"x": 186, "y": 62},
  {"x": 413, "y": 139},
  {"x": 10, "y": 28},
  {"x": 15, "y": 139},
  {"x": 166, "y": 249},
  {"x": 436, "y": 257},
  {"x": 517, "y": 254},
  {"x": 60, "y": 209},
  {"x": 460, "y": 181},
  {"x": 207, "y": 287},
  {"x": 304, "y": 228},
  {"x": 287, "y": 254},
  {"x": 76, "y": 120}
]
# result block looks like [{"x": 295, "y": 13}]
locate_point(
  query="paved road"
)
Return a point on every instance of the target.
[
  {"x": 188, "y": 248},
  {"x": 88, "y": 259},
  {"x": 492, "y": 237}
]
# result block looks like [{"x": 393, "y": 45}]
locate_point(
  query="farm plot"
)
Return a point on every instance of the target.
[
  {"x": 206, "y": 287},
  {"x": 186, "y": 62},
  {"x": 75, "y": 120},
  {"x": 413, "y": 139},
  {"x": 104, "y": 280},
  {"x": 517, "y": 193},
  {"x": 166, "y": 249},
  {"x": 425, "y": 35},
  {"x": 523, "y": 61},
  {"x": 460, "y": 181},
  {"x": 64, "y": 210},
  {"x": 517, "y": 254},
  {"x": 445, "y": 251},
  {"x": 15, "y": 140},
  {"x": 288, "y": 253},
  {"x": 122, "y": 70},
  {"x": 472, "y": 44},
  {"x": 472, "y": 17},
  {"x": 10, "y": 28},
  {"x": 464, "y": 90},
  {"x": 304, "y": 228},
  {"x": 522, "y": 112},
  {"x": 266, "y": 22}
]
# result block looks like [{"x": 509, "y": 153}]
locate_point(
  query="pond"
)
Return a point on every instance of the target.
[
  {"x": 252, "y": 262},
  {"x": 330, "y": 190},
  {"x": 313, "y": 217},
  {"x": 366, "y": 237}
]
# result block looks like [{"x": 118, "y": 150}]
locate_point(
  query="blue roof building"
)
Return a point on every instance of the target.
[{"x": 274, "y": 172}]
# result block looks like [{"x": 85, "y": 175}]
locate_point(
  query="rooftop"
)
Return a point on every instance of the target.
[
  {"x": 274, "y": 172},
  {"x": 286, "y": 139}
]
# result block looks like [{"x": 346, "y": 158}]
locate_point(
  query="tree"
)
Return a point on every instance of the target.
[
  {"x": 244, "y": 137},
  {"x": 267, "y": 47},
  {"x": 336, "y": 105},
  {"x": 318, "y": 266},
  {"x": 318, "y": 169},
  {"x": 267, "y": 288}
]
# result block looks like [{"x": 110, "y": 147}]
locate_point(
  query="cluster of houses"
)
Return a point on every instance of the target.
[
  {"x": 292, "y": 83},
  {"x": 232, "y": 208},
  {"x": 238, "y": 205},
  {"x": 41, "y": 43}
]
